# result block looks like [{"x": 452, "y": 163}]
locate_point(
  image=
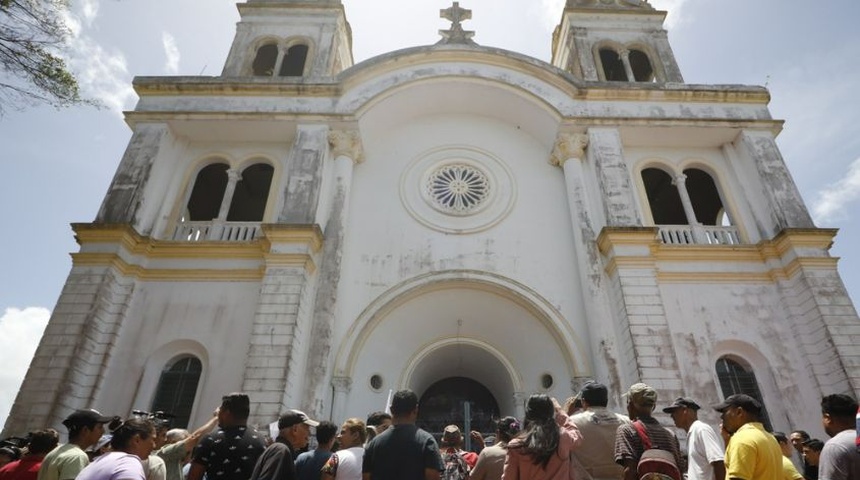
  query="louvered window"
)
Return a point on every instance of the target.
[
  {"x": 735, "y": 378},
  {"x": 177, "y": 388}
]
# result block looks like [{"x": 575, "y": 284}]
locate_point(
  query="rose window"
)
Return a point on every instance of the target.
[{"x": 457, "y": 189}]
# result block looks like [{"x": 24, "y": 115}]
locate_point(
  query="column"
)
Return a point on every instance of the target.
[
  {"x": 282, "y": 52},
  {"x": 625, "y": 59},
  {"x": 233, "y": 178},
  {"x": 680, "y": 182},
  {"x": 347, "y": 150},
  {"x": 342, "y": 386}
]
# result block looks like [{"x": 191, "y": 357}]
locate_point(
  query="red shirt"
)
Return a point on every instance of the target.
[{"x": 25, "y": 469}]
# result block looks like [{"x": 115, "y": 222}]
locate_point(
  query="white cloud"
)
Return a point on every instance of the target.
[
  {"x": 22, "y": 330},
  {"x": 171, "y": 51},
  {"x": 552, "y": 12},
  {"x": 89, "y": 10},
  {"x": 832, "y": 202}
]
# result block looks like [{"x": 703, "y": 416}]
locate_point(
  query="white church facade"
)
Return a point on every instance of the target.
[{"x": 461, "y": 220}]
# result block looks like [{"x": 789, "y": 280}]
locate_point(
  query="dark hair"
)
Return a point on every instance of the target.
[
  {"x": 802, "y": 434},
  {"x": 326, "y": 431},
  {"x": 133, "y": 426},
  {"x": 376, "y": 418},
  {"x": 814, "y": 444},
  {"x": 403, "y": 402},
  {"x": 508, "y": 428},
  {"x": 540, "y": 435},
  {"x": 839, "y": 406},
  {"x": 42, "y": 441},
  {"x": 780, "y": 437},
  {"x": 238, "y": 404}
]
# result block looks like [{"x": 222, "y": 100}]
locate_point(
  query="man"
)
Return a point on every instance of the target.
[
  {"x": 797, "y": 437},
  {"x": 39, "y": 444},
  {"x": 230, "y": 452},
  {"x": 641, "y": 401},
  {"x": 66, "y": 462},
  {"x": 812, "y": 451},
  {"x": 309, "y": 464},
  {"x": 176, "y": 444},
  {"x": 277, "y": 462},
  {"x": 404, "y": 451},
  {"x": 594, "y": 456},
  {"x": 453, "y": 455},
  {"x": 839, "y": 458},
  {"x": 752, "y": 453},
  {"x": 704, "y": 447},
  {"x": 380, "y": 421},
  {"x": 789, "y": 471}
]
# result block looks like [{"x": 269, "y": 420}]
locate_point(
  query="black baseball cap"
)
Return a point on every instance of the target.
[
  {"x": 682, "y": 402},
  {"x": 744, "y": 401},
  {"x": 82, "y": 418}
]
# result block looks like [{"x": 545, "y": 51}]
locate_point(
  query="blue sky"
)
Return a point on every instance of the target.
[{"x": 58, "y": 163}]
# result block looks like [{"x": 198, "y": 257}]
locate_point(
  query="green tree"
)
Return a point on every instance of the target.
[{"x": 32, "y": 35}]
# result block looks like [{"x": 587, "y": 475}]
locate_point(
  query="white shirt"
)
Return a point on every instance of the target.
[
  {"x": 704, "y": 447},
  {"x": 349, "y": 463}
]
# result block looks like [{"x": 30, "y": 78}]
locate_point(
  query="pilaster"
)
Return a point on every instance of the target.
[
  {"x": 634, "y": 270},
  {"x": 606, "y": 155},
  {"x": 787, "y": 209},
  {"x": 281, "y": 326},
  {"x": 304, "y": 175},
  {"x": 346, "y": 148}
]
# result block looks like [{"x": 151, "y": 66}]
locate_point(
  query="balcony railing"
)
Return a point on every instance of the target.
[
  {"x": 699, "y": 235},
  {"x": 216, "y": 231}
]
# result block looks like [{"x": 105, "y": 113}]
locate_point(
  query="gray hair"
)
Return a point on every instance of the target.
[{"x": 177, "y": 435}]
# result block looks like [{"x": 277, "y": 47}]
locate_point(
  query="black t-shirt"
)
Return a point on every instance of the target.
[
  {"x": 229, "y": 453},
  {"x": 402, "y": 452},
  {"x": 276, "y": 463}
]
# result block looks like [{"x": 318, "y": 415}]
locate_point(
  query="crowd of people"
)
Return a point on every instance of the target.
[{"x": 581, "y": 440}]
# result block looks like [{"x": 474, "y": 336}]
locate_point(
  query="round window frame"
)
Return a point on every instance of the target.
[
  {"x": 381, "y": 382},
  {"x": 496, "y": 205}
]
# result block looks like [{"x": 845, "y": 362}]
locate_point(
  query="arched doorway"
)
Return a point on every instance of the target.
[{"x": 443, "y": 404}]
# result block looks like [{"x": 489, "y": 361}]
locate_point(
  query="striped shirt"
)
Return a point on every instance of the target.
[{"x": 628, "y": 445}]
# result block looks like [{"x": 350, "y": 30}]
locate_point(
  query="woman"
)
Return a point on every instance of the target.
[
  {"x": 345, "y": 464},
  {"x": 491, "y": 461},
  {"x": 132, "y": 441},
  {"x": 542, "y": 450}
]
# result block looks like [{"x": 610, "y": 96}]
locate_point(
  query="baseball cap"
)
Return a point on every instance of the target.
[
  {"x": 85, "y": 417},
  {"x": 642, "y": 395},
  {"x": 682, "y": 402},
  {"x": 295, "y": 417},
  {"x": 746, "y": 402}
]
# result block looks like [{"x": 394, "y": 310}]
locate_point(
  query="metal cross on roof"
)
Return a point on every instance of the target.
[{"x": 456, "y": 34}]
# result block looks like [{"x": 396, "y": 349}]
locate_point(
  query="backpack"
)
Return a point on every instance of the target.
[
  {"x": 655, "y": 464},
  {"x": 455, "y": 467}
]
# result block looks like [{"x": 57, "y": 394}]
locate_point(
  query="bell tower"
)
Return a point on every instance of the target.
[
  {"x": 614, "y": 41},
  {"x": 290, "y": 38}
]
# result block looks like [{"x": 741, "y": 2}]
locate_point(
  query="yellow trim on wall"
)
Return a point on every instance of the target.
[
  {"x": 127, "y": 239},
  {"x": 753, "y": 256}
]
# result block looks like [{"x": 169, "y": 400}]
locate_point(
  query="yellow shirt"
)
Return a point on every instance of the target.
[
  {"x": 788, "y": 470},
  {"x": 753, "y": 454}
]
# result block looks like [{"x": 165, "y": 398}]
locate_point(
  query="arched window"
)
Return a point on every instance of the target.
[
  {"x": 736, "y": 378},
  {"x": 177, "y": 388},
  {"x": 252, "y": 191},
  {"x": 208, "y": 193},
  {"x": 264, "y": 62},
  {"x": 663, "y": 198},
  {"x": 293, "y": 64},
  {"x": 641, "y": 66},
  {"x": 705, "y": 197},
  {"x": 613, "y": 67}
]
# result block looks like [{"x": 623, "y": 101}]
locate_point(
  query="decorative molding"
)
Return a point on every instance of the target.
[
  {"x": 569, "y": 146},
  {"x": 346, "y": 143},
  {"x": 341, "y": 384}
]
